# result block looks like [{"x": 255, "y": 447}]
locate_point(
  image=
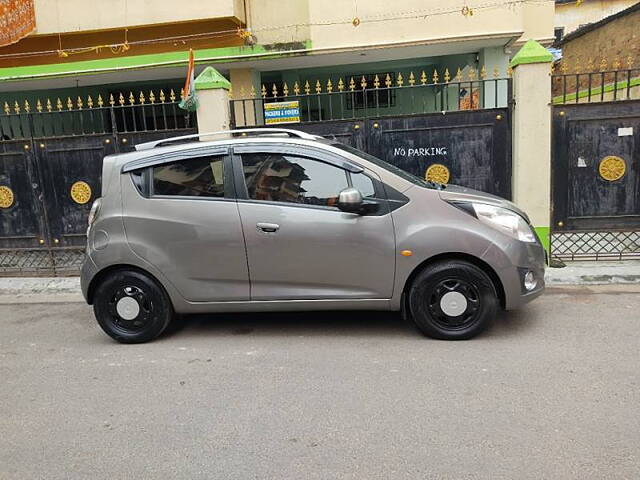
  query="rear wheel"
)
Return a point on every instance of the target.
[
  {"x": 452, "y": 300},
  {"x": 131, "y": 307}
]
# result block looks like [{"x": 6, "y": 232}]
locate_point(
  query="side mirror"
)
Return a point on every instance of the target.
[{"x": 350, "y": 200}]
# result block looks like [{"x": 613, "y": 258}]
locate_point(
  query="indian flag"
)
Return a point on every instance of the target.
[{"x": 190, "y": 101}]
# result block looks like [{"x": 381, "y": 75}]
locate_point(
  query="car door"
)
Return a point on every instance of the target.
[
  {"x": 184, "y": 220},
  {"x": 300, "y": 246}
]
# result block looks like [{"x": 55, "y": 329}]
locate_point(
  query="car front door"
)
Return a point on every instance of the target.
[{"x": 300, "y": 246}]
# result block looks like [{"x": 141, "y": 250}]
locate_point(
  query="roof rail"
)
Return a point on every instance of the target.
[{"x": 240, "y": 131}]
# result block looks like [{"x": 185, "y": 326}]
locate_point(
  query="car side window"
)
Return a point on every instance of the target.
[
  {"x": 364, "y": 184},
  {"x": 288, "y": 178},
  {"x": 194, "y": 177}
]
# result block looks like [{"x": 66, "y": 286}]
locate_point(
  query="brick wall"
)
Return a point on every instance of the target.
[{"x": 619, "y": 39}]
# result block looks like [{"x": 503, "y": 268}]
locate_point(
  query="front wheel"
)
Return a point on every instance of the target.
[
  {"x": 131, "y": 307},
  {"x": 452, "y": 300}
]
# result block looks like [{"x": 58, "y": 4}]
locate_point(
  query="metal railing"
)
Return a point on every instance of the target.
[
  {"x": 596, "y": 86},
  {"x": 369, "y": 97},
  {"x": 86, "y": 116}
]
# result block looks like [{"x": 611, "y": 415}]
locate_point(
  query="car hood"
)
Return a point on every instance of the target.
[{"x": 453, "y": 193}]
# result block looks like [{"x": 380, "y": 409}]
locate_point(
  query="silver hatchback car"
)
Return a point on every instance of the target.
[{"x": 281, "y": 220}]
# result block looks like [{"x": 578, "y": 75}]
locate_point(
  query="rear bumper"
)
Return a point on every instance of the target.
[{"x": 87, "y": 272}]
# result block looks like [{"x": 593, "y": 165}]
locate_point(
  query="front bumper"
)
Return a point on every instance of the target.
[{"x": 511, "y": 263}]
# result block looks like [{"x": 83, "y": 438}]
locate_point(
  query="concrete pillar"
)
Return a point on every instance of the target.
[
  {"x": 247, "y": 110},
  {"x": 531, "y": 181},
  {"x": 213, "y": 101}
]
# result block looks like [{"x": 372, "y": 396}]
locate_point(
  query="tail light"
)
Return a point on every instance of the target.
[{"x": 93, "y": 213}]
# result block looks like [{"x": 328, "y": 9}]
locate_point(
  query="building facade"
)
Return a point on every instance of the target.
[
  {"x": 570, "y": 15},
  {"x": 84, "y": 49}
]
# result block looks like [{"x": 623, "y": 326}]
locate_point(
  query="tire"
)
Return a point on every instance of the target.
[
  {"x": 131, "y": 307},
  {"x": 465, "y": 313}
]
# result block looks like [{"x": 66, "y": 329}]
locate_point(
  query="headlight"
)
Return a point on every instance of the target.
[{"x": 505, "y": 220}]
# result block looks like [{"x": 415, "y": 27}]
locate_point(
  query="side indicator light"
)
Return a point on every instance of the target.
[{"x": 406, "y": 253}]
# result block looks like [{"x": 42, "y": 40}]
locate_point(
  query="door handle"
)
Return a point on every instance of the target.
[{"x": 268, "y": 227}]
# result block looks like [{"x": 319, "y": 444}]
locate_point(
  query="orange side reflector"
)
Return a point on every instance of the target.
[{"x": 406, "y": 253}]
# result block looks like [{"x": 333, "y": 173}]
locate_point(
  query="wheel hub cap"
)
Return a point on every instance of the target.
[
  {"x": 128, "y": 308},
  {"x": 453, "y": 304}
]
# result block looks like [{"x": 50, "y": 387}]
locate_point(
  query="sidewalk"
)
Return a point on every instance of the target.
[
  {"x": 595, "y": 273},
  {"x": 67, "y": 289}
]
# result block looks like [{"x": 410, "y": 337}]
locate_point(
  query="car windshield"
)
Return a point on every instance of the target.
[{"x": 389, "y": 167}]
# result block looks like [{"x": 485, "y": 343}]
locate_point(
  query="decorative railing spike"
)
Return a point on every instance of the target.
[
  {"x": 352, "y": 84},
  {"x": 435, "y": 77},
  {"x": 363, "y": 82},
  {"x": 307, "y": 87},
  {"x": 285, "y": 89},
  {"x": 48, "y": 105},
  {"x": 90, "y": 102},
  {"x": 616, "y": 63},
  {"x": 182, "y": 94},
  {"x": 296, "y": 88},
  {"x": 318, "y": 86},
  {"x": 141, "y": 98},
  {"x": 483, "y": 72},
  {"x": 458, "y": 77},
  {"x": 274, "y": 90},
  {"x": 376, "y": 81},
  {"x": 263, "y": 91},
  {"x": 423, "y": 78},
  {"x": 7, "y": 110},
  {"x": 39, "y": 106},
  {"x": 340, "y": 85},
  {"x": 447, "y": 75},
  {"x": 152, "y": 97},
  {"x": 399, "y": 79},
  {"x": 59, "y": 104},
  {"x": 603, "y": 64},
  {"x": 69, "y": 103},
  {"x": 412, "y": 79},
  {"x": 253, "y": 92},
  {"x": 27, "y": 107},
  {"x": 16, "y": 107},
  {"x": 630, "y": 62},
  {"x": 329, "y": 86},
  {"x": 387, "y": 81},
  {"x": 496, "y": 72},
  {"x": 172, "y": 95},
  {"x": 79, "y": 103},
  {"x": 162, "y": 96},
  {"x": 121, "y": 99},
  {"x": 132, "y": 99}
]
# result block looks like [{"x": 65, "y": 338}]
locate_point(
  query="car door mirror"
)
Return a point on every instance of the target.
[{"x": 350, "y": 200}]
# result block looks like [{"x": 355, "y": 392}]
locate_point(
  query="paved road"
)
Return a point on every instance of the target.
[{"x": 552, "y": 391}]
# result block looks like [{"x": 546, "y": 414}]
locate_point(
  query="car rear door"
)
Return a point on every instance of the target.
[
  {"x": 182, "y": 218},
  {"x": 300, "y": 246}
]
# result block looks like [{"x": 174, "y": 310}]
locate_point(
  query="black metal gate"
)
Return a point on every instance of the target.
[
  {"x": 474, "y": 147},
  {"x": 50, "y": 172},
  {"x": 596, "y": 167},
  {"x": 454, "y": 130}
]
